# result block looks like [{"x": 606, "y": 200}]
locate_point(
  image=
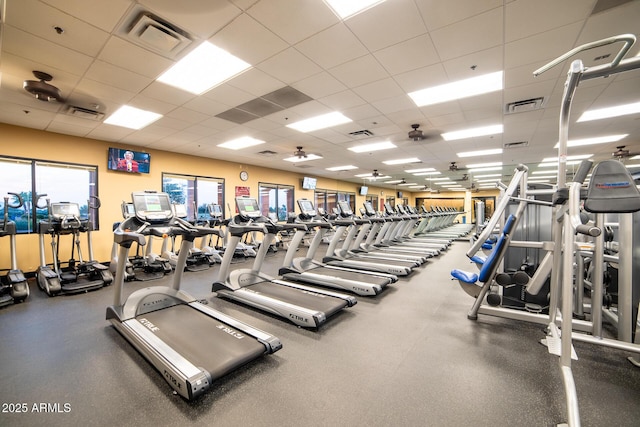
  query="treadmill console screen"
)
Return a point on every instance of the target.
[
  {"x": 152, "y": 207},
  {"x": 248, "y": 207},
  {"x": 368, "y": 207},
  {"x": 215, "y": 210},
  {"x": 388, "y": 209},
  {"x": 345, "y": 208},
  {"x": 128, "y": 210},
  {"x": 306, "y": 207},
  {"x": 60, "y": 210},
  {"x": 180, "y": 210}
]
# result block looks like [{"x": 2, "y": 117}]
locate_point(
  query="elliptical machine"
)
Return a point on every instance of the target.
[
  {"x": 76, "y": 275},
  {"x": 13, "y": 285}
]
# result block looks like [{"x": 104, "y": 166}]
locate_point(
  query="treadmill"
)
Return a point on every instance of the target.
[
  {"x": 343, "y": 257},
  {"x": 189, "y": 343},
  {"x": 302, "y": 305},
  {"x": 308, "y": 270}
]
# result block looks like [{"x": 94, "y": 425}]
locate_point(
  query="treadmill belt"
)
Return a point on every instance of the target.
[
  {"x": 328, "y": 305},
  {"x": 206, "y": 342},
  {"x": 351, "y": 275}
]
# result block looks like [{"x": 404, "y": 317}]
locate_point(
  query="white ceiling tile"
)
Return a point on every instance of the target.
[
  {"x": 123, "y": 79},
  {"x": 164, "y": 92},
  {"x": 405, "y": 56},
  {"x": 480, "y": 32},
  {"x": 378, "y": 90},
  {"x": 320, "y": 85},
  {"x": 525, "y": 18},
  {"x": 256, "y": 82},
  {"x": 393, "y": 105},
  {"x": 104, "y": 15},
  {"x": 387, "y": 23},
  {"x": 293, "y": 21},
  {"x": 39, "y": 19},
  {"x": 438, "y": 14},
  {"x": 360, "y": 71},
  {"x": 248, "y": 40},
  {"x": 206, "y": 106},
  {"x": 228, "y": 95},
  {"x": 289, "y": 66},
  {"x": 541, "y": 48},
  {"x": 422, "y": 78},
  {"x": 133, "y": 58},
  {"x": 342, "y": 100},
  {"x": 332, "y": 47}
]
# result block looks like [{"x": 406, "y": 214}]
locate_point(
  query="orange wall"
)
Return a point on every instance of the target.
[{"x": 114, "y": 187}]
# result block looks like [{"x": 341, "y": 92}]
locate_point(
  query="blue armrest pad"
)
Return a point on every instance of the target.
[
  {"x": 487, "y": 246},
  {"x": 464, "y": 276},
  {"x": 478, "y": 259},
  {"x": 492, "y": 239}
]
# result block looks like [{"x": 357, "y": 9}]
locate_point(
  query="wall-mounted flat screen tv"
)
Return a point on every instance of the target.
[
  {"x": 309, "y": 183},
  {"x": 121, "y": 159},
  {"x": 364, "y": 190}
]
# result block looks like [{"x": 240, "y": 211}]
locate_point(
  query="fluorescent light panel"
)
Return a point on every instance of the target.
[
  {"x": 483, "y": 165},
  {"x": 342, "y": 168},
  {"x": 420, "y": 170},
  {"x": 457, "y": 90},
  {"x": 488, "y": 175},
  {"x": 427, "y": 173},
  {"x": 385, "y": 145},
  {"x": 480, "y": 153},
  {"x": 308, "y": 157},
  {"x": 203, "y": 68},
  {"x": 605, "y": 113},
  {"x": 472, "y": 132},
  {"x": 132, "y": 118},
  {"x": 592, "y": 141},
  {"x": 322, "y": 121},
  {"x": 406, "y": 184},
  {"x": 347, "y": 9},
  {"x": 576, "y": 157},
  {"x": 240, "y": 143},
  {"x": 489, "y": 169},
  {"x": 555, "y": 164},
  {"x": 402, "y": 161},
  {"x": 438, "y": 179}
]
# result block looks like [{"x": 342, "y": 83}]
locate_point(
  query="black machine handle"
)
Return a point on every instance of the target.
[
  {"x": 96, "y": 202},
  {"x": 38, "y": 197},
  {"x": 588, "y": 230},
  {"x": 17, "y": 196},
  {"x": 583, "y": 171}
]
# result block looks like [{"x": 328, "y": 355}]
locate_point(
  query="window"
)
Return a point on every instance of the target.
[
  {"x": 276, "y": 200},
  {"x": 328, "y": 199},
  {"x": 194, "y": 191},
  {"x": 373, "y": 199},
  {"x": 61, "y": 182}
]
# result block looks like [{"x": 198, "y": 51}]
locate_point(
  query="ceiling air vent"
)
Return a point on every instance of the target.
[
  {"x": 365, "y": 133},
  {"x": 518, "y": 144},
  {"x": 151, "y": 32},
  {"x": 524, "y": 105},
  {"x": 84, "y": 113}
]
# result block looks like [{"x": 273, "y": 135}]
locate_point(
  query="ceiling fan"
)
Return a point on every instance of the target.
[
  {"x": 84, "y": 107},
  {"x": 299, "y": 153},
  {"x": 621, "y": 153},
  {"x": 42, "y": 90}
]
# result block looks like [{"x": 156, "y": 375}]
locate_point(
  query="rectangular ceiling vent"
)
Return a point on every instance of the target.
[
  {"x": 365, "y": 133},
  {"x": 152, "y": 32},
  {"x": 267, "y": 153},
  {"x": 85, "y": 113},
  {"x": 302, "y": 166},
  {"x": 518, "y": 144},
  {"x": 524, "y": 105}
]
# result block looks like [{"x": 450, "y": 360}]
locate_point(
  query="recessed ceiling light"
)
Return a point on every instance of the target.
[
  {"x": 347, "y": 9},
  {"x": 402, "y": 161},
  {"x": 240, "y": 143},
  {"x": 473, "y": 132},
  {"x": 203, "y": 68},
  {"x": 493, "y": 168},
  {"x": 385, "y": 145},
  {"x": 132, "y": 118},
  {"x": 342, "y": 168},
  {"x": 591, "y": 141},
  {"x": 438, "y": 179},
  {"x": 419, "y": 170},
  {"x": 483, "y": 165},
  {"x": 632, "y": 166},
  {"x": 457, "y": 90},
  {"x": 480, "y": 153},
  {"x": 555, "y": 164},
  {"x": 488, "y": 175},
  {"x": 576, "y": 157},
  {"x": 407, "y": 184},
  {"x": 308, "y": 157},
  {"x": 320, "y": 122},
  {"x": 395, "y": 181},
  {"x": 427, "y": 173},
  {"x": 488, "y": 180},
  {"x": 605, "y": 113}
]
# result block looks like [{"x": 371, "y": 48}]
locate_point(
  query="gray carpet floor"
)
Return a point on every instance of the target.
[{"x": 406, "y": 357}]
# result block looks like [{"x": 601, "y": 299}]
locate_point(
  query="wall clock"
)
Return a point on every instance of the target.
[{"x": 244, "y": 175}]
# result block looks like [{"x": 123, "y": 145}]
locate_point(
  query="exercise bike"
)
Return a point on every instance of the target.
[
  {"x": 13, "y": 285},
  {"x": 73, "y": 276}
]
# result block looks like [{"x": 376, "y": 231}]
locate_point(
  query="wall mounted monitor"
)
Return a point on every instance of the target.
[{"x": 130, "y": 161}]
